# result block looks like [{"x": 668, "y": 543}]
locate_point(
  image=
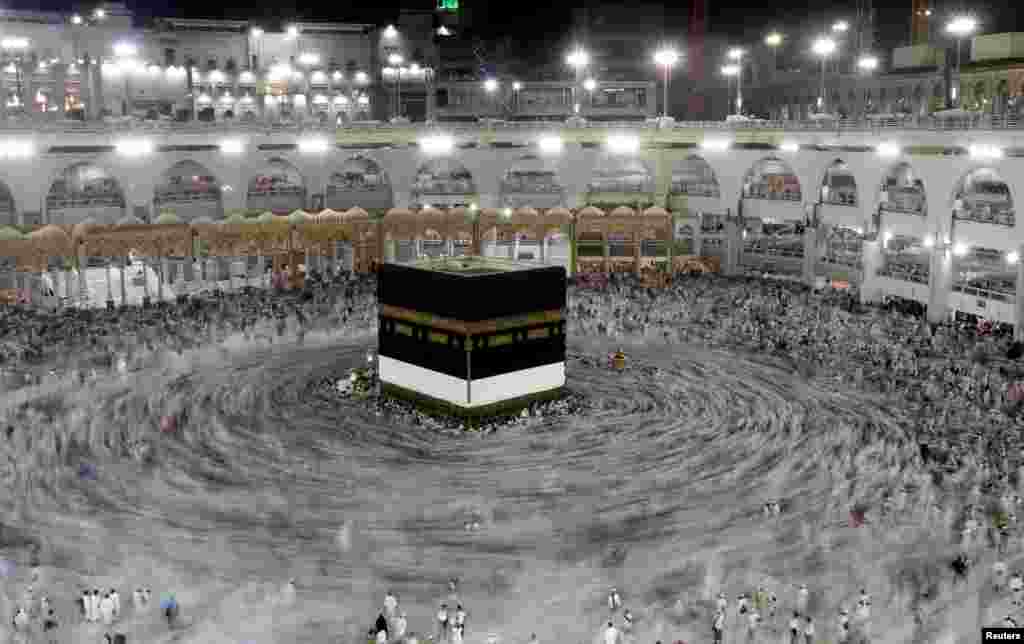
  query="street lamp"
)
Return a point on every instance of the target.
[
  {"x": 578, "y": 60},
  {"x": 491, "y": 87},
  {"x": 396, "y": 60},
  {"x": 729, "y": 71},
  {"x": 736, "y": 54},
  {"x": 666, "y": 58},
  {"x": 841, "y": 27},
  {"x": 774, "y": 40},
  {"x": 960, "y": 27},
  {"x": 823, "y": 47}
]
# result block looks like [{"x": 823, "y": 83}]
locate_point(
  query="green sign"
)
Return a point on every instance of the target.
[{"x": 447, "y": 5}]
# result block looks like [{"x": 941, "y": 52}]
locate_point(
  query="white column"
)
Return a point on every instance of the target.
[
  {"x": 810, "y": 254},
  {"x": 124, "y": 287},
  {"x": 871, "y": 259},
  {"x": 733, "y": 245},
  {"x": 515, "y": 247},
  {"x": 1018, "y": 322},
  {"x": 83, "y": 286},
  {"x": 940, "y": 281},
  {"x": 544, "y": 250}
]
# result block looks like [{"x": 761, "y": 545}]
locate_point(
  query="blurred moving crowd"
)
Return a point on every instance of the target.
[{"x": 960, "y": 382}]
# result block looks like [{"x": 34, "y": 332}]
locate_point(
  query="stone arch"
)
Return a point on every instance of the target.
[
  {"x": 902, "y": 191},
  {"x": 190, "y": 190},
  {"x": 838, "y": 185},
  {"x": 982, "y": 195},
  {"x": 773, "y": 179},
  {"x": 84, "y": 190},
  {"x": 8, "y": 207},
  {"x": 694, "y": 177},
  {"x": 620, "y": 175},
  {"x": 443, "y": 181},
  {"x": 359, "y": 181},
  {"x": 532, "y": 182},
  {"x": 277, "y": 186}
]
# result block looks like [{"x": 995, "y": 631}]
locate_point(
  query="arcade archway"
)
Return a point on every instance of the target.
[
  {"x": 694, "y": 177},
  {"x": 84, "y": 190},
  {"x": 838, "y": 186},
  {"x": 902, "y": 191},
  {"x": 278, "y": 187},
  {"x": 359, "y": 182},
  {"x": 771, "y": 179},
  {"x": 620, "y": 179},
  {"x": 983, "y": 196},
  {"x": 443, "y": 182},
  {"x": 190, "y": 190},
  {"x": 532, "y": 182}
]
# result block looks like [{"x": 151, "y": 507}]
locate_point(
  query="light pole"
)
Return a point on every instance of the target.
[
  {"x": 839, "y": 29},
  {"x": 960, "y": 28},
  {"x": 516, "y": 86},
  {"x": 736, "y": 55},
  {"x": 491, "y": 86},
  {"x": 729, "y": 71},
  {"x": 590, "y": 85},
  {"x": 823, "y": 47},
  {"x": 773, "y": 40},
  {"x": 256, "y": 35},
  {"x": 396, "y": 60},
  {"x": 666, "y": 58},
  {"x": 578, "y": 60}
]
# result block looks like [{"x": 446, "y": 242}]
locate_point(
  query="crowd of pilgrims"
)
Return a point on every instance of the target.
[{"x": 958, "y": 380}]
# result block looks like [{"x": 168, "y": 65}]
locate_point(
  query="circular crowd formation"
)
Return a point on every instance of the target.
[{"x": 220, "y": 471}]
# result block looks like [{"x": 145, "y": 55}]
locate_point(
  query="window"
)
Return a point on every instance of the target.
[
  {"x": 404, "y": 329},
  {"x": 169, "y": 57},
  {"x": 441, "y": 97},
  {"x": 211, "y": 64}
]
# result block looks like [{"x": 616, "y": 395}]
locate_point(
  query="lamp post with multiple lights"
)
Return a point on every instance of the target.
[
  {"x": 396, "y": 60},
  {"x": 960, "y": 28},
  {"x": 666, "y": 58},
  {"x": 491, "y": 87},
  {"x": 729, "y": 71},
  {"x": 578, "y": 60},
  {"x": 774, "y": 40},
  {"x": 839, "y": 30},
  {"x": 823, "y": 47},
  {"x": 736, "y": 56}
]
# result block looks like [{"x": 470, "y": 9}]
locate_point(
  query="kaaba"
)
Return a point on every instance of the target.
[{"x": 471, "y": 335}]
